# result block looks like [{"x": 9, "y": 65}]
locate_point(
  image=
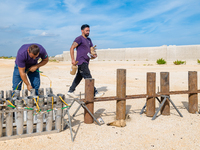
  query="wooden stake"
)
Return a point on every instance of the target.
[
  {"x": 151, "y": 90},
  {"x": 121, "y": 93},
  {"x": 164, "y": 88},
  {"x": 192, "y": 87},
  {"x": 89, "y": 96}
]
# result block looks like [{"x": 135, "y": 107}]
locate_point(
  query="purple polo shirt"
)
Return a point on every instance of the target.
[
  {"x": 24, "y": 60},
  {"x": 83, "y": 49}
]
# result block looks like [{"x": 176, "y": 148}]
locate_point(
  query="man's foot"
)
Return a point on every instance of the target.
[
  {"x": 97, "y": 94},
  {"x": 71, "y": 94}
]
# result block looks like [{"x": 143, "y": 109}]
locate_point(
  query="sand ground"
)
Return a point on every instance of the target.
[{"x": 166, "y": 132}]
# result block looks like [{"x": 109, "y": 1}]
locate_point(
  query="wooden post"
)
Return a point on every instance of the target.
[
  {"x": 89, "y": 96},
  {"x": 164, "y": 88},
  {"x": 192, "y": 87},
  {"x": 151, "y": 90},
  {"x": 121, "y": 93}
]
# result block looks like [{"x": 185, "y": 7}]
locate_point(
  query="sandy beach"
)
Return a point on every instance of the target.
[{"x": 140, "y": 132}]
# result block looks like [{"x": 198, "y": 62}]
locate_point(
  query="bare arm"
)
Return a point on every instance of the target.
[
  {"x": 24, "y": 77},
  {"x": 74, "y": 45},
  {"x": 42, "y": 63}
]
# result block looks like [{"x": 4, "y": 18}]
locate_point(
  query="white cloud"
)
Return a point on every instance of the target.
[{"x": 74, "y": 6}]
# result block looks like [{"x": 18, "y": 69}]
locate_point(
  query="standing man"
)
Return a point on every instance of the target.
[
  {"x": 27, "y": 62},
  {"x": 82, "y": 44}
]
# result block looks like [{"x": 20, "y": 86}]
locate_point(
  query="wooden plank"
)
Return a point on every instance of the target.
[
  {"x": 151, "y": 89},
  {"x": 192, "y": 87},
  {"x": 121, "y": 94},
  {"x": 89, "y": 96},
  {"x": 164, "y": 87}
]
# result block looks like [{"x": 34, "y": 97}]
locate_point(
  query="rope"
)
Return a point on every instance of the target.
[
  {"x": 16, "y": 88},
  {"x": 37, "y": 99},
  {"x": 11, "y": 105},
  {"x": 13, "y": 95},
  {"x": 64, "y": 103},
  {"x": 26, "y": 105},
  {"x": 48, "y": 78},
  {"x": 18, "y": 85},
  {"x": 65, "y": 107},
  {"x": 38, "y": 108}
]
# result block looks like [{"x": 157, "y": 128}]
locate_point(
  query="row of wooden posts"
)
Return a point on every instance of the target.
[{"x": 150, "y": 96}]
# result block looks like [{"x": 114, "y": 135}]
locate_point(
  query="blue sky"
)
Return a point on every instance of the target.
[{"x": 114, "y": 23}]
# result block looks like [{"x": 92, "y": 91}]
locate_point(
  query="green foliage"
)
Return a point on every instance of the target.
[
  {"x": 53, "y": 60},
  {"x": 5, "y": 57},
  {"x": 198, "y": 61},
  {"x": 179, "y": 62},
  {"x": 161, "y": 61}
]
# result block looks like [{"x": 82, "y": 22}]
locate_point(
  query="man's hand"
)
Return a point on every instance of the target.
[
  {"x": 73, "y": 62},
  {"x": 29, "y": 87},
  {"x": 33, "y": 68},
  {"x": 94, "y": 56},
  {"x": 24, "y": 77},
  {"x": 93, "y": 52}
]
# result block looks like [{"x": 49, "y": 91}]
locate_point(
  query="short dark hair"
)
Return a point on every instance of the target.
[
  {"x": 34, "y": 49},
  {"x": 85, "y": 26}
]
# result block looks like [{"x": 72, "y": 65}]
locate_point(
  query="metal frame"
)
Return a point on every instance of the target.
[
  {"x": 82, "y": 104},
  {"x": 68, "y": 122},
  {"x": 161, "y": 105}
]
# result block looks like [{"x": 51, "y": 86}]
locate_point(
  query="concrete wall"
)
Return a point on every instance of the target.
[{"x": 169, "y": 53}]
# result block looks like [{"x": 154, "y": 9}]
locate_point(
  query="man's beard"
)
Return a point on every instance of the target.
[{"x": 86, "y": 35}]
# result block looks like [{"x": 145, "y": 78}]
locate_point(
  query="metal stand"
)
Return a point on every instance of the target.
[
  {"x": 161, "y": 105},
  {"x": 69, "y": 123},
  {"x": 82, "y": 104},
  {"x": 143, "y": 108}
]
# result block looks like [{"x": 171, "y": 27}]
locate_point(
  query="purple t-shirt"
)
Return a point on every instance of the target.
[
  {"x": 83, "y": 49},
  {"x": 24, "y": 60}
]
